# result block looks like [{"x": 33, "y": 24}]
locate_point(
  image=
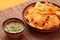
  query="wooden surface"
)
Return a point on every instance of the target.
[{"x": 16, "y": 12}]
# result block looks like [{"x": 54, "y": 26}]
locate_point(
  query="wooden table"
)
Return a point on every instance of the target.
[{"x": 16, "y": 12}]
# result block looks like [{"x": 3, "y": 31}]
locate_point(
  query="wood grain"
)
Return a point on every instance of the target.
[{"x": 16, "y": 12}]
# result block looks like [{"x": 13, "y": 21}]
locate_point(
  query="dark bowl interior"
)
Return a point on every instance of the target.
[{"x": 33, "y": 4}]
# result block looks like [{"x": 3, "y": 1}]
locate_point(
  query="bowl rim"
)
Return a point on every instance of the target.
[
  {"x": 14, "y": 19},
  {"x": 35, "y": 3}
]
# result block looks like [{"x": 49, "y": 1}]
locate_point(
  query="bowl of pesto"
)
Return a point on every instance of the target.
[{"x": 13, "y": 27}]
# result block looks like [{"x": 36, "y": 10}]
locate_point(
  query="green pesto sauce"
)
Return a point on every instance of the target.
[{"x": 14, "y": 27}]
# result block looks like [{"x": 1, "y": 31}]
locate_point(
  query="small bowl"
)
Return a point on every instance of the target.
[
  {"x": 39, "y": 30},
  {"x": 14, "y": 20}
]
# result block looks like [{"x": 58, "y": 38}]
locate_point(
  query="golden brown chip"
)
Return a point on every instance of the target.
[{"x": 43, "y": 15}]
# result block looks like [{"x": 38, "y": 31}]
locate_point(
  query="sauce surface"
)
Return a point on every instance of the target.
[{"x": 14, "y": 27}]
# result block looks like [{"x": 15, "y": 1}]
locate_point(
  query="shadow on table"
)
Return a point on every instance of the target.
[
  {"x": 30, "y": 33},
  {"x": 18, "y": 38},
  {"x": 45, "y": 35}
]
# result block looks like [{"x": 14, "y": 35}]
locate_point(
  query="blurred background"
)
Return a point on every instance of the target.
[{"x": 9, "y": 3}]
